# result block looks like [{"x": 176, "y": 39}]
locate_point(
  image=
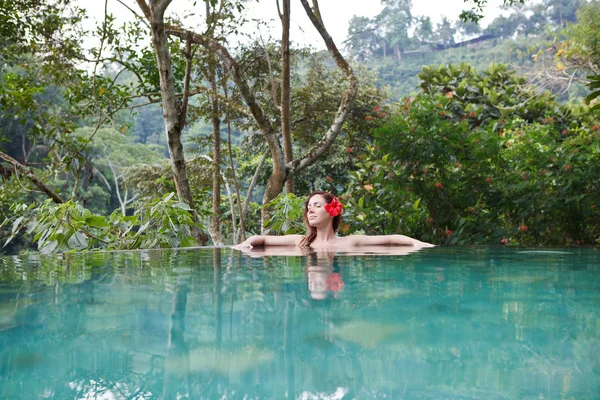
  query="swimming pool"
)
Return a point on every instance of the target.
[{"x": 441, "y": 323}]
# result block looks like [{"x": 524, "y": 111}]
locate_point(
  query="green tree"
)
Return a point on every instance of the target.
[
  {"x": 468, "y": 28},
  {"x": 445, "y": 32},
  {"x": 40, "y": 41},
  {"x": 502, "y": 27},
  {"x": 476, "y": 12},
  {"x": 582, "y": 44},
  {"x": 424, "y": 31},
  {"x": 396, "y": 18},
  {"x": 561, "y": 12},
  {"x": 363, "y": 40}
]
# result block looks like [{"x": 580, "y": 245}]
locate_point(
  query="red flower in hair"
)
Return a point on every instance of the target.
[{"x": 334, "y": 208}]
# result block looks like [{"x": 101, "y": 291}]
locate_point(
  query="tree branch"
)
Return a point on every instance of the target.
[
  {"x": 242, "y": 229},
  {"x": 134, "y": 13},
  {"x": 186, "y": 83},
  {"x": 253, "y": 183},
  {"x": 240, "y": 80},
  {"x": 345, "y": 103},
  {"x": 197, "y": 90},
  {"x": 29, "y": 174},
  {"x": 272, "y": 79},
  {"x": 145, "y": 9}
]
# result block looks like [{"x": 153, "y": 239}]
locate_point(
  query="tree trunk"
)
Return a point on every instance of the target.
[
  {"x": 215, "y": 222},
  {"x": 285, "y": 92},
  {"x": 281, "y": 169},
  {"x": 253, "y": 182},
  {"x": 276, "y": 180},
  {"x": 241, "y": 231},
  {"x": 174, "y": 112}
]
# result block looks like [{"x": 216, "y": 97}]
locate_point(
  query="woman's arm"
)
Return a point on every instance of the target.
[
  {"x": 386, "y": 240},
  {"x": 258, "y": 240}
]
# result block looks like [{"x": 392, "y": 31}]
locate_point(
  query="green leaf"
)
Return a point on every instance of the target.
[
  {"x": 78, "y": 241},
  {"x": 31, "y": 227},
  {"x": 592, "y": 96},
  {"x": 183, "y": 206},
  {"x": 49, "y": 247},
  {"x": 8, "y": 240},
  {"x": 168, "y": 196},
  {"x": 16, "y": 225},
  {"x": 97, "y": 221},
  {"x": 416, "y": 204},
  {"x": 143, "y": 227},
  {"x": 188, "y": 241}
]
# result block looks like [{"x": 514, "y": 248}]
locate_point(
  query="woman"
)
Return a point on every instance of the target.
[{"x": 322, "y": 216}]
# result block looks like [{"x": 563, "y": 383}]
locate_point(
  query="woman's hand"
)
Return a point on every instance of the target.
[
  {"x": 422, "y": 245},
  {"x": 245, "y": 245}
]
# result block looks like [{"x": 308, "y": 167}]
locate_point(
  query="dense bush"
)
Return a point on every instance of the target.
[{"x": 481, "y": 158}]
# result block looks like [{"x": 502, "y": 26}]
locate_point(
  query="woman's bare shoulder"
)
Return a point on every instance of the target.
[{"x": 347, "y": 241}]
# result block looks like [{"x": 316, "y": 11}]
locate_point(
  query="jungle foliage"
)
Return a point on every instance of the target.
[
  {"x": 455, "y": 152},
  {"x": 490, "y": 161}
]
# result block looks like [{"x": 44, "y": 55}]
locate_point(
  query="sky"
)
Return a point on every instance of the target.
[{"x": 336, "y": 15}]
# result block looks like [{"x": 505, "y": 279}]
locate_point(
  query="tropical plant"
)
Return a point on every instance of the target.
[
  {"x": 287, "y": 215},
  {"x": 68, "y": 226}
]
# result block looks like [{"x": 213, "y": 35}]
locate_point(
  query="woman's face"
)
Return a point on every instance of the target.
[{"x": 316, "y": 214}]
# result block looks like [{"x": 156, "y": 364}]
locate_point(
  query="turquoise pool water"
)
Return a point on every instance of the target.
[{"x": 441, "y": 323}]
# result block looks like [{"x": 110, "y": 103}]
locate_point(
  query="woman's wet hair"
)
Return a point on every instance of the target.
[{"x": 311, "y": 233}]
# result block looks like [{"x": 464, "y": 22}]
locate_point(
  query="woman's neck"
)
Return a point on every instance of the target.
[{"x": 324, "y": 235}]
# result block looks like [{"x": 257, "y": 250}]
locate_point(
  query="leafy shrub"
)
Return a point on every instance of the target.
[
  {"x": 287, "y": 215},
  {"x": 69, "y": 226},
  {"x": 480, "y": 158}
]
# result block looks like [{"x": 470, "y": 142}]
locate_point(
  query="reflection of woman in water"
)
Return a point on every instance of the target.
[
  {"x": 323, "y": 274},
  {"x": 322, "y": 216}
]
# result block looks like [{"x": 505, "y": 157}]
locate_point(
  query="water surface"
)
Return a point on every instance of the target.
[{"x": 441, "y": 323}]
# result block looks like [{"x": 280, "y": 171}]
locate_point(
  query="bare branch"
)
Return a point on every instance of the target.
[
  {"x": 102, "y": 40},
  {"x": 315, "y": 10},
  {"x": 21, "y": 183},
  {"x": 101, "y": 120},
  {"x": 272, "y": 79},
  {"x": 134, "y": 13},
  {"x": 197, "y": 90},
  {"x": 159, "y": 7},
  {"x": 570, "y": 81},
  {"x": 145, "y": 9},
  {"x": 186, "y": 83},
  {"x": 102, "y": 177}
]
